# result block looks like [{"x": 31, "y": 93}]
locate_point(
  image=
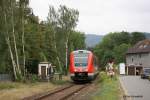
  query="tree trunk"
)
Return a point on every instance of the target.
[
  {"x": 9, "y": 45},
  {"x": 14, "y": 40},
  {"x": 57, "y": 57},
  {"x": 66, "y": 45},
  {"x": 23, "y": 41},
  {"x": 11, "y": 55}
]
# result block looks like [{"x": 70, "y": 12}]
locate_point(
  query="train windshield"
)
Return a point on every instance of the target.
[{"x": 81, "y": 60}]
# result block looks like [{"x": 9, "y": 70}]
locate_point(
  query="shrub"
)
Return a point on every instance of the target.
[
  {"x": 103, "y": 76},
  {"x": 34, "y": 78}
]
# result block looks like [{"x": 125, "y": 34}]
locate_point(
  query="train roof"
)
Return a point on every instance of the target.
[{"x": 81, "y": 51}]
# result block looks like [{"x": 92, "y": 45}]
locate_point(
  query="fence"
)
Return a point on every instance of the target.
[{"x": 5, "y": 77}]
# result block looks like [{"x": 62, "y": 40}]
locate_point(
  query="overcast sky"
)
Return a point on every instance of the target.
[{"x": 102, "y": 16}]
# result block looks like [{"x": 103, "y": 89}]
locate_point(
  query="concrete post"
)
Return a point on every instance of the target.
[
  {"x": 127, "y": 70},
  {"x": 135, "y": 71}
]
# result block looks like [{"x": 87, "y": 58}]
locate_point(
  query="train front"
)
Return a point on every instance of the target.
[{"x": 81, "y": 65}]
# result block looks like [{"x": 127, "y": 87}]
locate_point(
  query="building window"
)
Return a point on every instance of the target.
[{"x": 132, "y": 59}]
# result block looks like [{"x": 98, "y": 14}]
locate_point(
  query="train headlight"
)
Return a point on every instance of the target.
[{"x": 75, "y": 70}]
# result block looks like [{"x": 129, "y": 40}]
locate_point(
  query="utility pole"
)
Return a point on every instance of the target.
[{"x": 66, "y": 56}]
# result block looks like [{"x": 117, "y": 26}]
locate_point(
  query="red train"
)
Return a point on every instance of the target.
[{"x": 83, "y": 65}]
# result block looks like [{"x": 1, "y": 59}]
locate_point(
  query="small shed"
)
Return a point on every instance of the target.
[{"x": 45, "y": 69}]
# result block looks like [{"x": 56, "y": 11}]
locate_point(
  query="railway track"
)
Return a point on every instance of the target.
[{"x": 60, "y": 94}]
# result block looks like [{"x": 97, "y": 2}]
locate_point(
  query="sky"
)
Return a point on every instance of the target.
[{"x": 102, "y": 16}]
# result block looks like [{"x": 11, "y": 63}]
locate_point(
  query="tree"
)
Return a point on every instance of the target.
[
  {"x": 120, "y": 52},
  {"x": 24, "y": 39},
  {"x": 11, "y": 32},
  {"x": 67, "y": 21},
  {"x": 76, "y": 41},
  {"x": 23, "y": 5},
  {"x": 137, "y": 36},
  {"x": 8, "y": 29},
  {"x": 113, "y": 46},
  {"x": 52, "y": 24}
]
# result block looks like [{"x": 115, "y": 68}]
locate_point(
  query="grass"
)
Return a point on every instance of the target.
[
  {"x": 60, "y": 82},
  {"x": 108, "y": 89},
  {"x": 10, "y": 85},
  {"x": 65, "y": 80},
  {"x": 16, "y": 90},
  {"x": 7, "y": 85}
]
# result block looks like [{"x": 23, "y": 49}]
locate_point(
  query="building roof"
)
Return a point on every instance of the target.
[{"x": 140, "y": 47}]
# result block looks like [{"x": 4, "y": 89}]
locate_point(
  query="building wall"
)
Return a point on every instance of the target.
[{"x": 138, "y": 59}]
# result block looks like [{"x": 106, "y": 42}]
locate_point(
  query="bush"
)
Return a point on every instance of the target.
[
  {"x": 34, "y": 78},
  {"x": 31, "y": 78},
  {"x": 103, "y": 76}
]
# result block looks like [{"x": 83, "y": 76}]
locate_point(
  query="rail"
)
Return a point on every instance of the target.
[{"x": 59, "y": 94}]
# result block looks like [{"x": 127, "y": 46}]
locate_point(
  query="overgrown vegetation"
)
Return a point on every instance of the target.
[
  {"x": 33, "y": 81},
  {"x": 7, "y": 85},
  {"x": 60, "y": 82},
  {"x": 17, "y": 90},
  {"x": 108, "y": 89}
]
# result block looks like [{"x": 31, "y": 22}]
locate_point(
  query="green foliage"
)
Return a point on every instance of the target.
[
  {"x": 103, "y": 77},
  {"x": 4, "y": 59},
  {"x": 34, "y": 78},
  {"x": 115, "y": 45},
  {"x": 120, "y": 52},
  {"x": 137, "y": 36},
  {"x": 44, "y": 41},
  {"x": 60, "y": 31},
  {"x": 76, "y": 41},
  {"x": 67, "y": 18}
]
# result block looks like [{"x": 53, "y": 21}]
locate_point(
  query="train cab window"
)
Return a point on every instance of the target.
[{"x": 81, "y": 61}]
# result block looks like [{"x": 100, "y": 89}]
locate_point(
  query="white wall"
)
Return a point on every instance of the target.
[{"x": 138, "y": 59}]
